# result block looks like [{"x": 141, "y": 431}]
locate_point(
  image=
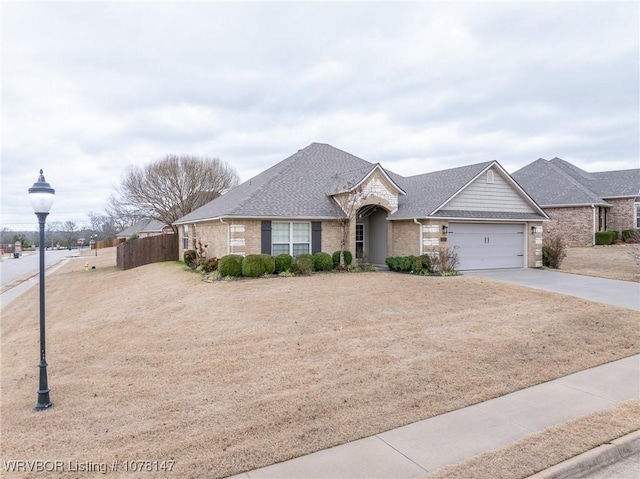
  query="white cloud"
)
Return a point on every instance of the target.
[{"x": 90, "y": 88}]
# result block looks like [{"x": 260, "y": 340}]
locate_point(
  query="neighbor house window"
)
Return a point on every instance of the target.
[
  {"x": 290, "y": 238},
  {"x": 185, "y": 237},
  {"x": 637, "y": 215}
]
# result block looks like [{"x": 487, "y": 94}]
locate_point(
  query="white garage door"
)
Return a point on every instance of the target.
[{"x": 487, "y": 246}]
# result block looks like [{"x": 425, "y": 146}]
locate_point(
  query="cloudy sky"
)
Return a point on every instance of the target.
[{"x": 91, "y": 88}]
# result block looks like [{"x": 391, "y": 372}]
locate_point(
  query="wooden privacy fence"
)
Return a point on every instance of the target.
[
  {"x": 107, "y": 243},
  {"x": 153, "y": 249}
]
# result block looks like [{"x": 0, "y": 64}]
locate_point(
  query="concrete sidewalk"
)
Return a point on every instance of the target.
[
  {"x": 417, "y": 449},
  {"x": 610, "y": 291}
]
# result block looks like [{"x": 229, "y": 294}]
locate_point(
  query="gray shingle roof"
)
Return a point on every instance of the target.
[
  {"x": 142, "y": 227},
  {"x": 557, "y": 182},
  {"x": 301, "y": 185},
  {"x": 297, "y": 186}
]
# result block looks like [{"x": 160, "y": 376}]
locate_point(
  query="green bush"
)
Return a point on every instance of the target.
[
  {"x": 322, "y": 262},
  {"x": 230, "y": 265},
  {"x": 190, "y": 258},
  {"x": 303, "y": 264},
  {"x": 348, "y": 258},
  {"x": 253, "y": 266},
  {"x": 409, "y": 264},
  {"x": 605, "y": 237},
  {"x": 269, "y": 263},
  {"x": 284, "y": 263}
]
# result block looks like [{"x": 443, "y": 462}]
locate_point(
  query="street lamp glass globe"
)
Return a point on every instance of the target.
[{"x": 41, "y": 195}]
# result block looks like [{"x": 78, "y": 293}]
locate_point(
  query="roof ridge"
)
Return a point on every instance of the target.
[
  {"x": 575, "y": 181},
  {"x": 289, "y": 162},
  {"x": 474, "y": 165}
]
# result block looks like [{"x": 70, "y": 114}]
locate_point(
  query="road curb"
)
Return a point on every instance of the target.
[{"x": 594, "y": 459}]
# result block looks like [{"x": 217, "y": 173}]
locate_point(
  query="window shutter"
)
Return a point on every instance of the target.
[
  {"x": 266, "y": 237},
  {"x": 316, "y": 237}
]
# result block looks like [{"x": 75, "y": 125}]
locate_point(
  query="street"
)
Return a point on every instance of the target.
[{"x": 28, "y": 264}]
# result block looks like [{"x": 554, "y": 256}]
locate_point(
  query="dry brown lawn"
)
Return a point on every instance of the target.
[
  {"x": 615, "y": 262},
  {"x": 549, "y": 447},
  {"x": 155, "y": 364}
]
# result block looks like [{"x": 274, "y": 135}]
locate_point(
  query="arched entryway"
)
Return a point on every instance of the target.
[{"x": 371, "y": 234}]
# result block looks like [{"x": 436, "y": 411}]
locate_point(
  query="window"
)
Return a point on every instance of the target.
[
  {"x": 359, "y": 241},
  {"x": 637, "y": 215},
  {"x": 185, "y": 237},
  {"x": 490, "y": 177},
  {"x": 290, "y": 238}
]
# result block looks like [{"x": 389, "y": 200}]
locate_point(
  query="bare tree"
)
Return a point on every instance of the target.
[
  {"x": 69, "y": 229},
  {"x": 103, "y": 226},
  {"x": 171, "y": 188},
  {"x": 348, "y": 203}
]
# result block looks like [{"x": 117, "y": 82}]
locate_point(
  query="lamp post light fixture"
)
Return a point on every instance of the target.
[{"x": 41, "y": 195}]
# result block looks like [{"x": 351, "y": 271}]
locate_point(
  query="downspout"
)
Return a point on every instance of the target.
[
  {"x": 593, "y": 226},
  {"x": 228, "y": 235},
  {"x": 415, "y": 220}
]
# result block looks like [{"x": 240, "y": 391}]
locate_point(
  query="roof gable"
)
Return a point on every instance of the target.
[{"x": 491, "y": 191}]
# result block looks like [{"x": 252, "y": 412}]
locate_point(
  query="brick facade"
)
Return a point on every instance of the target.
[
  {"x": 574, "y": 225},
  {"x": 403, "y": 238},
  {"x": 621, "y": 215}
]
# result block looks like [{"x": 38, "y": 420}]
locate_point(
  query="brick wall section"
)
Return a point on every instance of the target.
[
  {"x": 331, "y": 235},
  {"x": 621, "y": 215},
  {"x": 405, "y": 238},
  {"x": 574, "y": 225},
  {"x": 246, "y": 237}
]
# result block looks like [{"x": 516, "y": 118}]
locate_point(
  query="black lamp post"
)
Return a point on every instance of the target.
[{"x": 41, "y": 195}]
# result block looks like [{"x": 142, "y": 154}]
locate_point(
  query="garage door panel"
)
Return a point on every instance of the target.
[{"x": 487, "y": 246}]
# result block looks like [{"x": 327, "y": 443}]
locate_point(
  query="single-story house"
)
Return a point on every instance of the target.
[
  {"x": 304, "y": 204},
  {"x": 580, "y": 203},
  {"x": 144, "y": 229}
]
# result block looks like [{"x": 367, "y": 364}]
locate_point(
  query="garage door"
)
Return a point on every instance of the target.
[{"x": 487, "y": 246}]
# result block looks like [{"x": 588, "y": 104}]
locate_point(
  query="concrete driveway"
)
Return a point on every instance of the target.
[{"x": 609, "y": 291}]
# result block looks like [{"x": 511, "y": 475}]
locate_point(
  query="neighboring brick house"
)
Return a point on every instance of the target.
[
  {"x": 301, "y": 205},
  {"x": 144, "y": 229},
  {"x": 581, "y": 203}
]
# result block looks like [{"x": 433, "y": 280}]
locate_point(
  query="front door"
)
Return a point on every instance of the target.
[{"x": 371, "y": 235}]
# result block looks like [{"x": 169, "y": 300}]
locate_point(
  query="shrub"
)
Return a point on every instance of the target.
[
  {"x": 554, "y": 251},
  {"x": 190, "y": 258},
  {"x": 322, "y": 262},
  {"x": 269, "y": 263},
  {"x": 410, "y": 264},
  {"x": 210, "y": 264},
  {"x": 348, "y": 258},
  {"x": 303, "y": 264},
  {"x": 446, "y": 261},
  {"x": 633, "y": 235},
  {"x": 230, "y": 265},
  {"x": 253, "y": 266},
  {"x": 605, "y": 237},
  {"x": 284, "y": 263}
]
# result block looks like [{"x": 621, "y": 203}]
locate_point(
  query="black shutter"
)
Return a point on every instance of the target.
[
  {"x": 316, "y": 237},
  {"x": 266, "y": 237}
]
